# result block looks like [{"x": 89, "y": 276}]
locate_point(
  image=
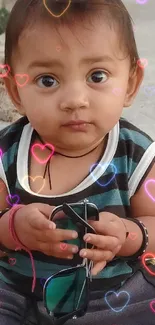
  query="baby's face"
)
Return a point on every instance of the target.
[{"x": 81, "y": 77}]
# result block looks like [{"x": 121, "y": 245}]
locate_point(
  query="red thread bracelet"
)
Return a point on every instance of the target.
[{"x": 20, "y": 246}]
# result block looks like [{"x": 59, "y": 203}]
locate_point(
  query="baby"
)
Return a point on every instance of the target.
[{"x": 71, "y": 67}]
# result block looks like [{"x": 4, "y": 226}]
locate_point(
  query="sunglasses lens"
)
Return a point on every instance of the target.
[{"x": 66, "y": 292}]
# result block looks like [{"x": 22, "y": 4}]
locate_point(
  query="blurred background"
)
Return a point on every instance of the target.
[{"x": 142, "y": 112}]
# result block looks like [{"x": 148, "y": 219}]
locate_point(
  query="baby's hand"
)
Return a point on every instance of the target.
[
  {"x": 110, "y": 237},
  {"x": 38, "y": 233}
]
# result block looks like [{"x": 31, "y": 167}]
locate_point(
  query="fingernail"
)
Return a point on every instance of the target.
[
  {"x": 83, "y": 254},
  {"x": 74, "y": 234},
  {"x": 70, "y": 257},
  {"x": 75, "y": 249},
  {"x": 52, "y": 226},
  {"x": 87, "y": 238}
]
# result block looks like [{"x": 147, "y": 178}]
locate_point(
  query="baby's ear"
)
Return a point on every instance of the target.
[
  {"x": 135, "y": 79},
  {"x": 12, "y": 90}
]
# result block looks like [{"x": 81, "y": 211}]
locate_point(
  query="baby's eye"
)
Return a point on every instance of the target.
[
  {"x": 98, "y": 76},
  {"x": 46, "y": 81}
]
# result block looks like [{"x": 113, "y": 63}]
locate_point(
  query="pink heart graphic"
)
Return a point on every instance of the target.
[
  {"x": 1, "y": 153},
  {"x": 34, "y": 179},
  {"x": 2, "y": 67},
  {"x": 21, "y": 79},
  {"x": 12, "y": 261},
  {"x": 42, "y": 147},
  {"x": 144, "y": 261},
  {"x": 58, "y": 48},
  {"x": 142, "y": 63},
  {"x": 149, "y": 181},
  {"x": 117, "y": 91},
  {"x": 10, "y": 198},
  {"x": 63, "y": 246},
  {"x": 152, "y": 305},
  {"x": 132, "y": 235}
]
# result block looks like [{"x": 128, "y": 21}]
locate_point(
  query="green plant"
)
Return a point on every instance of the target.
[{"x": 4, "y": 15}]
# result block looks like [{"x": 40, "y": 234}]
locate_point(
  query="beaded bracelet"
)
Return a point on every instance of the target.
[{"x": 145, "y": 241}]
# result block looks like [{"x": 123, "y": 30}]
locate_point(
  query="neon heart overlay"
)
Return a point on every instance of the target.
[
  {"x": 102, "y": 165},
  {"x": 117, "y": 91},
  {"x": 50, "y": 11},
  {"x": 146, "y": 188},
  {"x": 12, "y": 197},
  {"x": 4, "y": 66},
  {"x": 12, "y": 261},
  {"x": 58, "y": 48},
  {"x": 117, "y": 295},
  {"x": 132, "y": 235},
  {"x": 149, "y": 91},
  {"x": 1, "y": 153},
  {"x": 142, "y": 2},
  {"x": 20, "y": 76},
  {"x": 42, "y": 147},
  {"x": 41, "y": 281},
  {"x": 33, "y": 180},
  {"x": 147, "y": 255},
  {"x": 63, "y": 246},
  {"x": 151, "y": 305},
  {"x": 142, "y": 63}
]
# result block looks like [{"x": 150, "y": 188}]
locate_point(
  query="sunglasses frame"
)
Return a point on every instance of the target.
[
  {"x": 78, "y": 312},
  {"x": 67, "y": 208}
]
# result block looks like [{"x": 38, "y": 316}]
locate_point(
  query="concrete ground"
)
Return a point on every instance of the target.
[{"x": 142, "y": 112}]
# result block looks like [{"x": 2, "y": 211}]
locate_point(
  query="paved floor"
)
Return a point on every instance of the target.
[{"x": 142, "y": 112}]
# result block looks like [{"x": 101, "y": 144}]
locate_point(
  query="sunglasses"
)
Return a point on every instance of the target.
[{"x": 66, "y": 293}]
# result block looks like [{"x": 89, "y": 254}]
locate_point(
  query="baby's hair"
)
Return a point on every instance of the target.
[{"x": 26, "y": 14}]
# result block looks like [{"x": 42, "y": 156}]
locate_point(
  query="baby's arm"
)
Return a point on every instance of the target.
[
  {"x": 4, "y": 220},
  {"x": 143, "y": 209}
]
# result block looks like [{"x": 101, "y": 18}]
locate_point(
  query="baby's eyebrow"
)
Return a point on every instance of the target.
[{"x": 56, "y": 62}]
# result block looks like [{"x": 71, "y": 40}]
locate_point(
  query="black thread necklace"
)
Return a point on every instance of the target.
[{"x": 47, "y": 167}]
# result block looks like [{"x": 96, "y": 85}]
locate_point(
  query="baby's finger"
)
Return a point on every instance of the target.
[
  {"x": 102, "y": 242},
  {"x": 56, "y": 235},
  {"x": 59, "y": 250},
  {"x": 96, "y": 255},
  {"x": 40, "y": 222},
  {"x": 98, "y": 267}
]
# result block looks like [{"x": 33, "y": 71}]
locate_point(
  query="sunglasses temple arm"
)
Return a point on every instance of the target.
[{"x": 71, "y": 213}]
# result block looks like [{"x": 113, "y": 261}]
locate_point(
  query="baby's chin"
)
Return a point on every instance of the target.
[{"x": 76, "y": 145}]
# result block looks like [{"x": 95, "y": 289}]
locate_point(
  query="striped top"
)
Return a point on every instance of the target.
[{"x": 110, "y": 184}]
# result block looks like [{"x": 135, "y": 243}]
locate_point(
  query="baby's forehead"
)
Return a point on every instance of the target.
[{"x": 97, "y": 39}]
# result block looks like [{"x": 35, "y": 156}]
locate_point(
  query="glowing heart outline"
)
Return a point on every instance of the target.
[
  {"x": 42, "y": 146},
  {"x": 63, "y": 246},
  {"x": 10, "y": 196},
  {"x": 144, "y": 256},
  {"x": 142, "y": 63},
  {"x": 151, "y": 305},
  {"x": 117, "y": 294},
  {"x": 146, "y": 189},
  {"x": 2, "y": 75},
  {"x": 102, "y": 165},
  {"x": 132, "y": 235},
  {"x": 21, "y": 75},
  {"x": 33, "y": 179},
  {"x": 12, "y": 261},
  {"x": 51, "y": 13}
]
